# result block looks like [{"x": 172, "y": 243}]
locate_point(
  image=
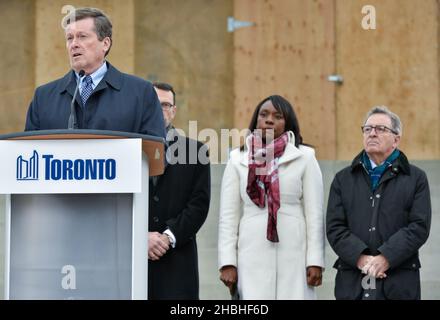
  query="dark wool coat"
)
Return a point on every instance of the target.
[
  {"x": 120, "y": 102},
  {"x": 393, "y": 221},
  {"x": 179, "y": 200}
]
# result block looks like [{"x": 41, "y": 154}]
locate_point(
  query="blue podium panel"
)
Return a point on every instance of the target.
[{"x": 71, "y": 246}]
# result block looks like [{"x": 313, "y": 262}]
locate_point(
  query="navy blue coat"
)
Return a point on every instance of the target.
[
  {"x": 394, "y": 220},
  {"x": 120, "y": 102}
]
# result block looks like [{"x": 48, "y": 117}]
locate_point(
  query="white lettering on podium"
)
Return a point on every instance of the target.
[{"x": 69, "y": 280}]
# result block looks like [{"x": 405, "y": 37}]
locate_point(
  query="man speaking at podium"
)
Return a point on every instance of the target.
[{"x": 95, "y": 95}]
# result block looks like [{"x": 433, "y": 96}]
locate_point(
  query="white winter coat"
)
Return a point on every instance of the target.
[{"x": 268, "y": 270}]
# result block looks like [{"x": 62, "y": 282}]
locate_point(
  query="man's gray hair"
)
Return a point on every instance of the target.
[
  {"x": 103, "y": 25},
  {"x": 396, "y": 124}
]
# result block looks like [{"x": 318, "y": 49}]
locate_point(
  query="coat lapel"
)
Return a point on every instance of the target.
[
  {"x": 68, "y": 84},
  {"x": 111, "y": 78},
  {"x": 290, "y": 154}
]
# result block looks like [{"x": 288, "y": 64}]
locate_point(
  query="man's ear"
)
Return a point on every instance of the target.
[
  {"x": 396, "y": 140},
  {"x": 107, "y": 43}
]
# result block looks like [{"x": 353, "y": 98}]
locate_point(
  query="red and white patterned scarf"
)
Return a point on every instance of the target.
[{"x": 263, "y": 177}]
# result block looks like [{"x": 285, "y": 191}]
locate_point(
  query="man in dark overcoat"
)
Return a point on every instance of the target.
[
  {"x": 107, "y": 99},
  {"x": 179, "y": 204},
  {"x": 378, "y": 216}
]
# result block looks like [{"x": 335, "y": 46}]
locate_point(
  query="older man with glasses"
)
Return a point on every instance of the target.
[{"x": 378, "y": 216}]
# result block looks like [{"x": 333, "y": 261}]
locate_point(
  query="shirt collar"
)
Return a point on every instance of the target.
[
  {"x": 97, "y": 76},
  {"x": 373, "y": 164}
]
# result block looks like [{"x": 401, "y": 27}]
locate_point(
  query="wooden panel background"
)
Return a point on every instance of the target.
[
  {"x": 396, "y": 65},
  {"x": 220, "y": 77},
  {"x": 186, "y": 44},
  {"x": 290, "y": 51},
  {"x": 17, "y": 48}
]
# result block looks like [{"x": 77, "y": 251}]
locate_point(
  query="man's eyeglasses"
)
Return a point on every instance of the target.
[
  {"x": 380, "y": 129},
  {"x": 166, "y": 105}
]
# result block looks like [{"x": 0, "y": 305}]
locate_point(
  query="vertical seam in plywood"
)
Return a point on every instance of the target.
[
  {"x": 34, "y": 68},
  {"x": 336, "y": 70},
  {"x": 438, "y": 68}
]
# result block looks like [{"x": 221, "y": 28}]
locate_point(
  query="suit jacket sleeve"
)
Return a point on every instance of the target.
[
  {"x": 347, "y": 246},
  {"x": 230, "y": 211},
  {"x": 152, "y": 116},
  {"x": 407, "y": 241},
  {"x": 313, "y": 197},
  {"x": 32, "y": 118},
  {"x": 186, "y": 224}
]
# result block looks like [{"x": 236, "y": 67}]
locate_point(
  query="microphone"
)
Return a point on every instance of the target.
[{"x": 72, "y": 118}]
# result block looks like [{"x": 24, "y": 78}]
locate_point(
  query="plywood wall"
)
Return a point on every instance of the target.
[
  {"x": 395, "y": 65},
  {"x": 220, "y": 77},
  {"x": 289, "y": 51},
  {"x": 186, "y": 44},
  {"x": 17, "y": 62}
]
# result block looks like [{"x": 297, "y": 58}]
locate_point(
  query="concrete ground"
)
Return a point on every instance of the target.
[{"x": 212, "y": 288}]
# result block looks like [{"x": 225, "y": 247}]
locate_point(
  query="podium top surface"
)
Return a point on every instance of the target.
[
  {"x": 76, "y": 134},
  {"x": 152, "y": 146}
]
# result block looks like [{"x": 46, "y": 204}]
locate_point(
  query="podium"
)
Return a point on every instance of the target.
[{"x": 76, "y": 221}]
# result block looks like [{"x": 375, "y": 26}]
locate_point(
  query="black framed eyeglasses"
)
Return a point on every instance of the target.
[
  {"x": 380, "y": 129},
  {"x": 166, "y": 105}
]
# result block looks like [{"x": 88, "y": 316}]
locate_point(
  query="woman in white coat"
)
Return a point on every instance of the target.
[{"x": 271, "y": 227}]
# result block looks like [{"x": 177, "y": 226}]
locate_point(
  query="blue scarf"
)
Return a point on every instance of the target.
[{"x": 376, "y": 173}]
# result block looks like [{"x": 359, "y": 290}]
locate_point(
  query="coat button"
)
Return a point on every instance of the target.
[
  {"x": 377, "y": 195},
  {"x": 156, "y": 198},
  {"x": 156, "y": 219},
  {"x": 414, "y": 265},
  {"x": 395, "y": 170},
  {"x": 367, "y": 295}
]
